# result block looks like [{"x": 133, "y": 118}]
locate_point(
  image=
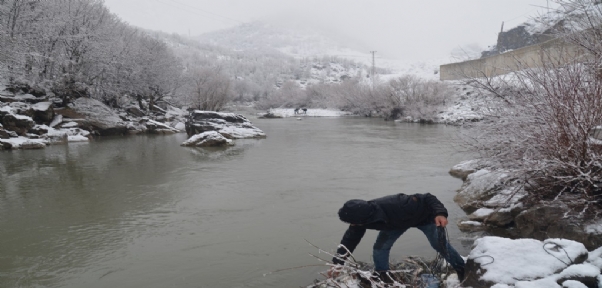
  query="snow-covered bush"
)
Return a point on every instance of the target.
[
  {"x": 416, "y": 97},
  {"x": 290, "y": 95},
  {"x": 84, "y": 51},
  {"x": 545, "y": 126}
]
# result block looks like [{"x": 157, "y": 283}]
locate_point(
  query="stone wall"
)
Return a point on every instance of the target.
[{"x": 554, "y": 51}]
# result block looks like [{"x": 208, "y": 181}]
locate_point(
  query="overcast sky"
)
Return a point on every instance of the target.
[{"x": 405, "y": 29}]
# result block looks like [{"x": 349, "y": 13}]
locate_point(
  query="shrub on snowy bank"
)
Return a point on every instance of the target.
[
  {"x": 544, "y": 133},
  {"x": 406, "y": 96}
]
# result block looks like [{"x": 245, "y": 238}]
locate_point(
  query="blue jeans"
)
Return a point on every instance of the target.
[{"x": 386, "y": 238}]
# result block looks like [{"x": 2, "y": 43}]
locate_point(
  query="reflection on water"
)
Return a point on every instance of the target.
[
  {"x": 223, "y": 153},
  {"x": 143, "y": 211}
]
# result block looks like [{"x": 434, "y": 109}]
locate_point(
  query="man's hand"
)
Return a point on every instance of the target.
[{"x": 441, "y": 221}]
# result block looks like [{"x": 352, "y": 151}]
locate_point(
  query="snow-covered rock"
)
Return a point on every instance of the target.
[
  {"x": 208, "y": 139},
  {"x": 470, "y": 226},
  {"x": 464, "y": 169},
  {"x": 15, "y": 122},
  {"x": 156, "y": 127},
  {"x": 56, "y": 120},
  {"x": 180, "y": 126},
  {"x": 42, "y": 112},
  {"x": 62, "y": 135},
  {"x": 230, "y": 125},
  {"x": 502, "y": 262},
  {"x": 174, "y": 113},
  {"x": 480, "y": 186},
  {"x": 23, "y": 143},
  {"x": 96, "y": 117}
]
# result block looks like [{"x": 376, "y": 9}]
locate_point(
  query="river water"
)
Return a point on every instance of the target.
[{"x": 142, "y": 211}]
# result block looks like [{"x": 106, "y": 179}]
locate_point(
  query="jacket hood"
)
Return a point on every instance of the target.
[{"x": 360, "y": 212}]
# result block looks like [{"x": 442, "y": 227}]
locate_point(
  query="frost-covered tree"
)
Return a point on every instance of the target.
[
  {"x": 77, "y": 48},
  {"x": 210, "y": 89},
  {"x": 416, "y": 97},
  {"x": 290, "y": 95}
]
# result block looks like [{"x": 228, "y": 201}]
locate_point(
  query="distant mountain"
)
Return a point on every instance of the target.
[
  {"x": 304, "y": 43},
  {"x": 298, "y": 43},
  {"x": 259, "y": 69}
]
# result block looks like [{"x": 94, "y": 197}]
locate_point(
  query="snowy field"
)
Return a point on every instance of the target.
[{"x": 311, "y": 112}]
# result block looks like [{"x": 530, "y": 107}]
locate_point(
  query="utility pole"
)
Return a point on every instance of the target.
[{"x": 373, "y": 70}]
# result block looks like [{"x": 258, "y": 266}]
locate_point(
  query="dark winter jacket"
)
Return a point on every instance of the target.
[{"x": 394, "y": 212}]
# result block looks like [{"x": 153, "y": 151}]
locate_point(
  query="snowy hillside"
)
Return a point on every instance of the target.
[
  {"x": 265, "y": 37},
  {"x": 308, "y": 44}
]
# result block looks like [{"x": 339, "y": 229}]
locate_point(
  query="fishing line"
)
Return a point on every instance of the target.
[{"x": 556, "y": 245}]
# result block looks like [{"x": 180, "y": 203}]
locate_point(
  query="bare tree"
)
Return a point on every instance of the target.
[{"x": 211, "y": 89}]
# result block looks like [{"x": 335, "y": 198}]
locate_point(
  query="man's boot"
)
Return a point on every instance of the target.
[{"x": 386, "y": 277}]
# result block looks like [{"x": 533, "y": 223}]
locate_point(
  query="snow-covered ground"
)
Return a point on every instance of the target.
[
  {"x": 311, "y": 112},
  {"x": 529, "y": 263}
]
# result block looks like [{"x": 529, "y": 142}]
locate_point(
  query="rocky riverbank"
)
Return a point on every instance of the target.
[
  {"x": 493, "y": 200},
  {"x": 493, "y": 262},
  {"x": 32, "y": 118}
]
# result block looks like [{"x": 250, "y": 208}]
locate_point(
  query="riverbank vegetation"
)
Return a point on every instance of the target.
[
  {"x": 546, "y": 126},
  {"x": 78, "y": 48},
  {"x": 406, "y": 96}
]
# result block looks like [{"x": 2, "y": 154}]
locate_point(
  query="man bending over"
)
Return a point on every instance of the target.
[{"x": 392, "y": 216}]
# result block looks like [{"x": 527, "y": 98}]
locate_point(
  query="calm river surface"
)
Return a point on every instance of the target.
[{"x": 143, "y": 212}]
